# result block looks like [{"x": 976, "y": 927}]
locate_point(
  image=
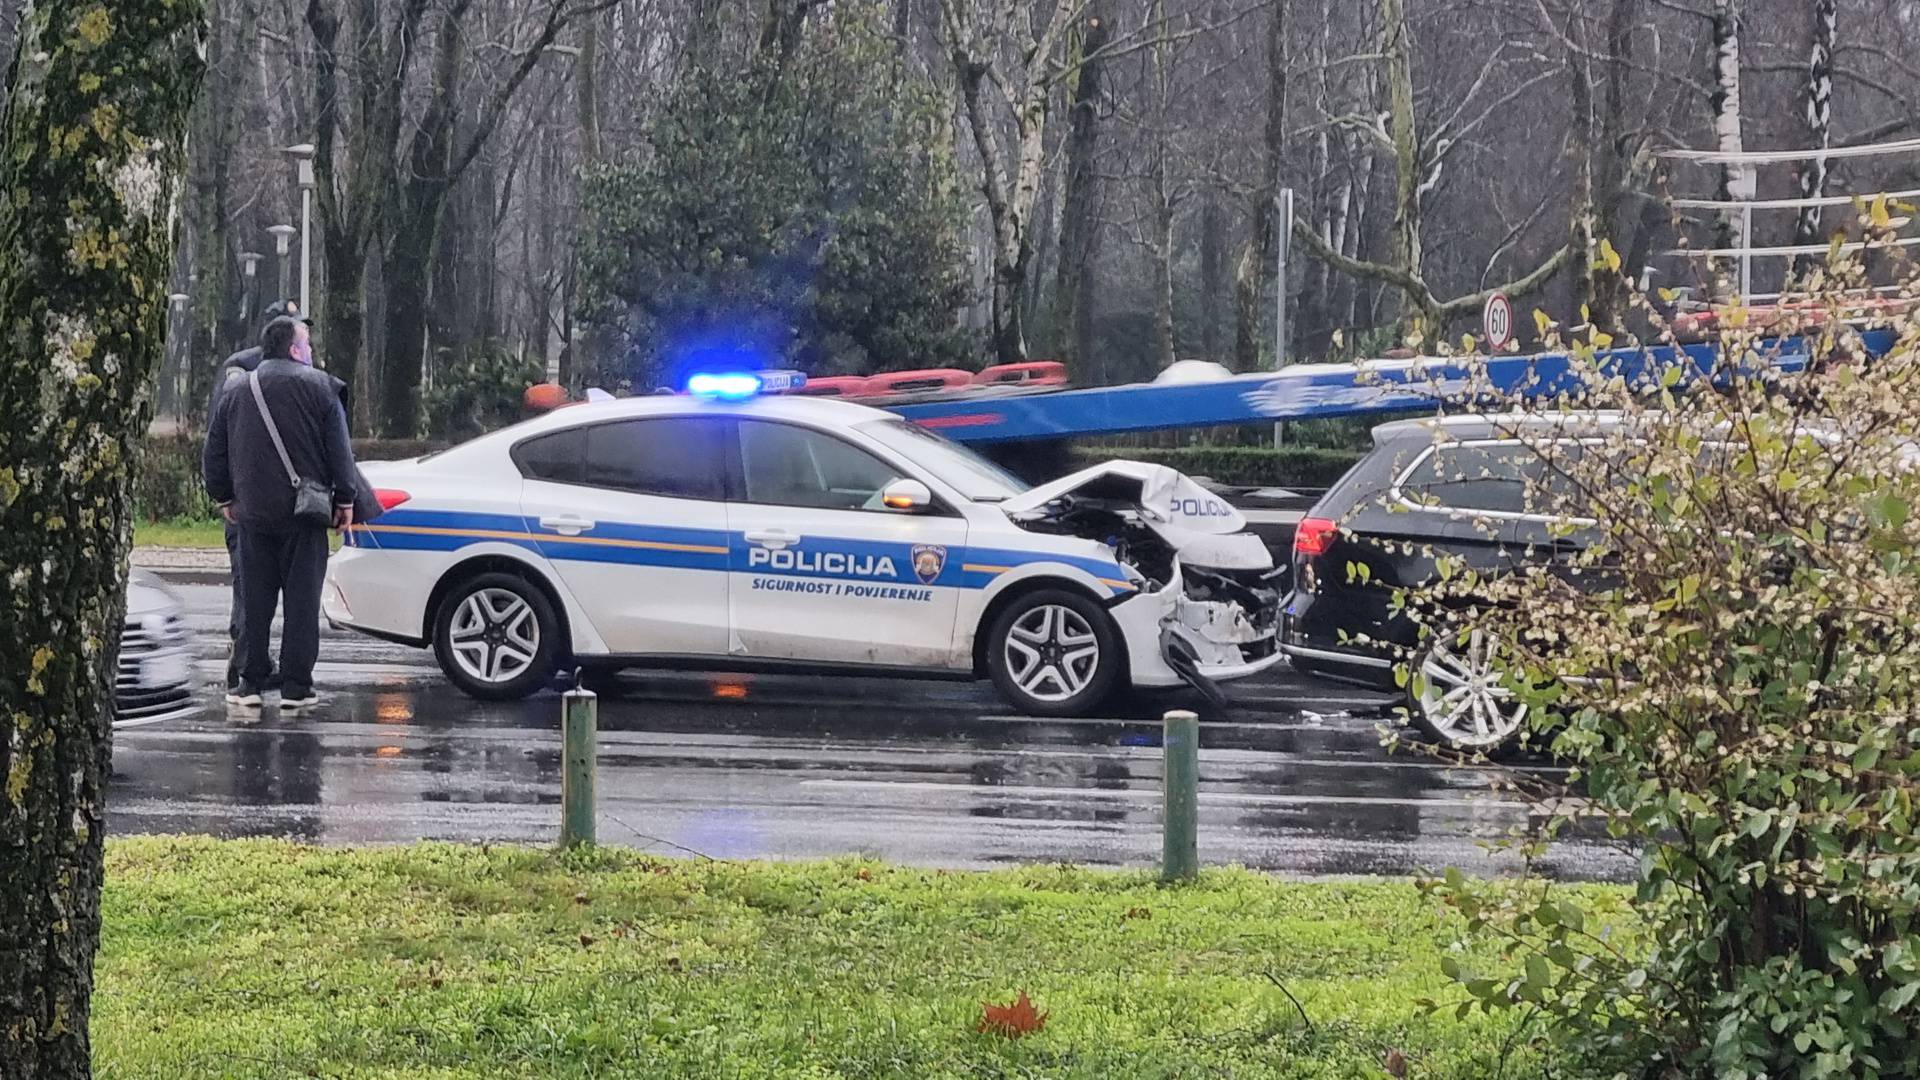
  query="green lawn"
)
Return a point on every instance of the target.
[
  {"x": 179, "y": 533},
  {"x": 185, "y": 533},
  {"x": 264, "y": 959}
]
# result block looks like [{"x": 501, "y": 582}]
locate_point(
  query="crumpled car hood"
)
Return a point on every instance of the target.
[
  {"x": 1203, "y": 527},
  {"x": 1165, "y": 496}
]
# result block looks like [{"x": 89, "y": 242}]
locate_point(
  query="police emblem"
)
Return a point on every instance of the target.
[{"x": 928, "y": 561}]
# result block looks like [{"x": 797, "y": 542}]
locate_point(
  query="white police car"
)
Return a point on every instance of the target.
[{"x": 787, "y": 533}]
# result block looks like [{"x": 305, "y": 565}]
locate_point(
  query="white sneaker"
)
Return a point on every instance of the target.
[
  {"x": 310, "y": 699},
  {"x": 245, "y": 696}
]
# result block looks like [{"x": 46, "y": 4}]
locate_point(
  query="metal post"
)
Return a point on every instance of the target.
[
  {"x": 579, "y": 741},
  {"x": 1282, "y": 247},
  {"x": 1746, "y": 253},
  {"x": 306, "y": 242},
  {"x": 1180, "y": 851},
  {"x": 283, "y": 246}
]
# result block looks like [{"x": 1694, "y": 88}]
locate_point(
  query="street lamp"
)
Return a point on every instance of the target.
[
  {"x": 177, "y": 375},
  {"x": 283, "y": 245},
  {"x": 302, "y": 156},
  {"x": 250, "y": 269}
]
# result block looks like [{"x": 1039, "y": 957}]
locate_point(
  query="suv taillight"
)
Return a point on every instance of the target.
[
  {"x": 390, "y": 498},
  {"x": 1313, "y": 537}
]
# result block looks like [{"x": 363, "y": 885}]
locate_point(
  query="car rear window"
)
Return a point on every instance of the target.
[
  {"x": 674, "y": 457},
  {"x": 678, "y": 457},
  {"x": 560, "y": 458},
  {"x": 1487, "y": 477}
]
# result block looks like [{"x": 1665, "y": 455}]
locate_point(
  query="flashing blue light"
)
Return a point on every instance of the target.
[{"x": 733, "y": 386}]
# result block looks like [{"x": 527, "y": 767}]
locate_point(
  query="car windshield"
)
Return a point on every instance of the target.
[{"x": 974, "y": 476}]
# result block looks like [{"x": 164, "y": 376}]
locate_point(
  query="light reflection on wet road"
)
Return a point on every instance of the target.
[{"x": 1295, "y": 780}]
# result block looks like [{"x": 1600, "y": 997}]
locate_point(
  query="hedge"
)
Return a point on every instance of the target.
[{"x": 1238, "y": 466}]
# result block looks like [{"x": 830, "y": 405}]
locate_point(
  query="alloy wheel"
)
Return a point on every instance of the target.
[
  {"x": 1464, "y": 695},
  {"x": 1052, "y": 652},
  {"x": 494, "y": 636}
]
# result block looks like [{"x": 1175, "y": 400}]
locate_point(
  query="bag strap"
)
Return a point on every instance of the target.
[{"x": 273, "y": 430}]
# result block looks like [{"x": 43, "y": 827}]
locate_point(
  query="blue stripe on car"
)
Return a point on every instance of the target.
[{"x": 415, "y": 529}]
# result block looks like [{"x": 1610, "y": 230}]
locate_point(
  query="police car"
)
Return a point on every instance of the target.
[{"x": 727, "y": 529}]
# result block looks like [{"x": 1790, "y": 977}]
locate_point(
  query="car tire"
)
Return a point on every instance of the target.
[
  {"x": 1456, "y": 696},
  {"x": 496, "y": 637},
  {"x": 1054, "y": 653}
]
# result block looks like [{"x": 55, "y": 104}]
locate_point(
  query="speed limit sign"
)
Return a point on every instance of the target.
[{"x": 1496, "y": 321}]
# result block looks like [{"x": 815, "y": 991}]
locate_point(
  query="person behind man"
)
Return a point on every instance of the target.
[
  {"x": 231, "y": 374},
  {"x": 246, "y": 470}
]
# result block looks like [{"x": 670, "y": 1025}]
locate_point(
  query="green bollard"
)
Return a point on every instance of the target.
[
  {"x": 579, "y": 735},
  {"x": 1180, "y": 850}
]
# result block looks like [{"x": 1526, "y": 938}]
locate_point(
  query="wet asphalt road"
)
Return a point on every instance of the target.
[{"x": 1294, "y": 780}]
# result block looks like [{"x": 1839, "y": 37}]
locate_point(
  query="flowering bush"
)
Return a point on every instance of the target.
[{"x": 1725, "y": 648}]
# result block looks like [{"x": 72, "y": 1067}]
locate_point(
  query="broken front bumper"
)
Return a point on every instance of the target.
[{"x": 1192, "y": 632}]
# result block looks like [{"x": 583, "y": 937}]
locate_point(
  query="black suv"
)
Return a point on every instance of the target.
[{"x": 1454, "y": 487}]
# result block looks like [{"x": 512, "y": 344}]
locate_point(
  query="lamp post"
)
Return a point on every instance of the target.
[
  {"x": 177, "y": 376},
  {"x": 302, "y": 156},
  {"x": 250, "y": 289},
  {"x": 283, "y": 245}
]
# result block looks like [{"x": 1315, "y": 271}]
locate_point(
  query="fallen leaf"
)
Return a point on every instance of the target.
[
  {"x": 1012, "y": 1020},
  {"x": 582, "y": 898},
  {"x": 586, "y": 939},
  {"x": 1137, "y": 913},
  {"x": 1396, "y": 1064},
  {"x": 864, "y": 874},
  {"x": 673, "y": 963}
]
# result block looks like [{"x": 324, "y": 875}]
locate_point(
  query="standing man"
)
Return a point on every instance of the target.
[
  {"x": 272, "y": 431},
  {"x": 234, "y": 373}
]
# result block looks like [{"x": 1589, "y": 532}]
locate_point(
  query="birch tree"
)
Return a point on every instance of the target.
[
  {"x": 97, "y": 111},
  {"x": 1737, "y": 179},
  {"x": 1003, "y": 59},
  {"x": 1819, "y": 116}
]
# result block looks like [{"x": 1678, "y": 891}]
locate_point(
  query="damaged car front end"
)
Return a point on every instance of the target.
[{"x": 1208, "y": 603}]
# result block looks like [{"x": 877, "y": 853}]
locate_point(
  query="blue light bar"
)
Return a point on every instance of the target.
[{"x": 730, "y": 386}]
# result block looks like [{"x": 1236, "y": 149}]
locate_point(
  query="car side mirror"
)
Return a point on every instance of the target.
[{"x": 906, "y": 497}]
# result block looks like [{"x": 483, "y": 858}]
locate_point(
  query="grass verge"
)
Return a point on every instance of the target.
[
  {"x": 179, "y": 533},
  {"x": 189, "y": 533},
  {"x": 265, "y": 959}
]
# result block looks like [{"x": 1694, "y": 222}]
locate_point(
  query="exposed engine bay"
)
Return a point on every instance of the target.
[{"x": 1215, "y": 585}]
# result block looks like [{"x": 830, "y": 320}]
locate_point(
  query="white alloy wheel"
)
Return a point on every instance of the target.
[
  {"x": 494, "y": 636},
  {"x": 1462, "y": 695},
  {"x": 1052, "y": 652}
]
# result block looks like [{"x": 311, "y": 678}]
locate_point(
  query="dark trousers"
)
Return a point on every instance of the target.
[
  {"x": 237, "y": 615},
  {"x": 285, "y": 570}
]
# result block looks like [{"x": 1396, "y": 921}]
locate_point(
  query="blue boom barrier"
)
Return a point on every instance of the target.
[{"x": 1311, "y": 391}]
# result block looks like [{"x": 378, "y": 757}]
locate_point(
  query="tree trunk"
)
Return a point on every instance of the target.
[
  {"x": 1813, "y": 177},
  {"x": 1213, "y": 275},
  {"x": 342, "y": 329},
  {"x": 408, "y": 280},
  {"x": 1614, "y": 172},
  {"x": 1588, "y": 270},
  {"x": 97, "y": 111},
  {"x": 587, "y": 94},
  {"x": 1737, "y": 180},
  {"x": 1398, "y": 52},
  {"x": 1079, "y": 228},
  {"x": 1250, "y": 276}
]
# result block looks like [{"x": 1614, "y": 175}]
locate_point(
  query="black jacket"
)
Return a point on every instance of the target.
[
  {"x": 239, "y": 363},
  {"x": 241, "y": 466}
]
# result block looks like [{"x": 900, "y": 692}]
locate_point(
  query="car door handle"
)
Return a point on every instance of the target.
[
  {"x": 567, "y": 525},
  {"x": 772, "y": 537}
]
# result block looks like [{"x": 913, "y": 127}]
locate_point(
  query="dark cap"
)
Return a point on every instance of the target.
[{"x": 285, "y": 309}]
